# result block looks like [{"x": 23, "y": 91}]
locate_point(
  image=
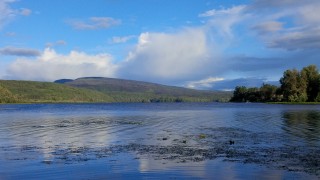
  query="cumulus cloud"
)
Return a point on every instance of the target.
[
  {"x": 94, "y": 23},
  {"x": 184, "y": 55},
  {"x": 13, "y": 51},
  {"x": 51, "y": 66}
]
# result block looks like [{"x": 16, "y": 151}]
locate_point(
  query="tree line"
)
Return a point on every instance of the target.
[{"x": 295, "y": 86}]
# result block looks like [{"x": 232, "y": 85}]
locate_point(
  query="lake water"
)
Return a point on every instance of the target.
[{"x": 175, "y": 140}]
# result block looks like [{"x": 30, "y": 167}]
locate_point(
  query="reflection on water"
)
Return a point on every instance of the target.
[
  {"x": 159, "y": 140},
  {"x": 303, "y": 124}
]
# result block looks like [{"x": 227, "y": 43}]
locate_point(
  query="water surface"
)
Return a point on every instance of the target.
[{"x": 175, "y": 140}]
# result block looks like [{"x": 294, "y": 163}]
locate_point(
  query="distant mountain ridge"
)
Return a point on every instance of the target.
[
  {"x": 99, "y": 89},
  {"x": 138, "y": 91}
]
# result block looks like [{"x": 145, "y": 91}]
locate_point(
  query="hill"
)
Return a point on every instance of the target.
[
  {"x": 101, "y": 90},
  {"x": 137, "y": 91},
  {"x": 46, "y": 92}
]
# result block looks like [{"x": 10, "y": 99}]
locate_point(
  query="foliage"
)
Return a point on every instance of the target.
[
  {"x": 136, "y": 91},
  {"x": 37, "y": 92},
  {"x": 101, "y": 90},
  {"x": 296, "y": 86},
  {"x": 266, "y": 93},
  {"x": 311, "y": 75},
  {"x": 6, "y": 96}
]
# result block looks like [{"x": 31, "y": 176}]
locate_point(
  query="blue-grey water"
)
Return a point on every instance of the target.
[{"x": 146, "y": 141}]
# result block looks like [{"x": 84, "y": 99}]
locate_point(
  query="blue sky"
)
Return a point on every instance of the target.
[{"x": 202, "y": 44}]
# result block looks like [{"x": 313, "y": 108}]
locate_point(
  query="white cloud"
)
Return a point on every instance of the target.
[
  {"x": 285, "y": 24},
  {"x": 223, "y": 12},
  {"x": 222, "y": 21},
  {"x": 189, "y": 54},
  {"x": 6, "y": 12},
  {"x": 291, "y": 24},
  {"x": 94, "y": 23},
  {"x": 297, "y": 40},
  {"x": 184, "y": 55},
  {"x": 57, "y": 43},
  {"x": 204, "y": 83},
  {"x": 124, "y": 39},
  {"x": 51, "y": 66}
]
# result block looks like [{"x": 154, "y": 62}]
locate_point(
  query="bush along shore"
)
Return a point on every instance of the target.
[{"x": 296, "y": 87}]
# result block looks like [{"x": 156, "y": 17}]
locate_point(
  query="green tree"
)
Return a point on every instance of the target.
[
  {"x": 253, "y": 95},
  {"x": 268, "y": 93},
  {"x": 293, "y": 86},
  {"x": 239, "y": 94},
  {"x": 311, "y": 76}
]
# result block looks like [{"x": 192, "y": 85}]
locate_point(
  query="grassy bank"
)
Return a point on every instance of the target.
[{"x": 295, "y": 103}]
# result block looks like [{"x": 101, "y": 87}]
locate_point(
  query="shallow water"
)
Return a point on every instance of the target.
[{"x": 177, "y": 140}]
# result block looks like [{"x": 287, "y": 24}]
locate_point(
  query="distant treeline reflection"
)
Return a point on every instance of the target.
[{"x": 304, "y": 124}]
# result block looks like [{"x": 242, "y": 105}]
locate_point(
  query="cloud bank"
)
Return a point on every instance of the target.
[
  {"x": 288, "y": 24},
  {"x": 186, "y": 54},
  {"x": 50, "y": 66}
]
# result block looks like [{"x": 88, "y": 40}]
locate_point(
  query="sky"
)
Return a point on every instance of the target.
[{"x": 200, "y": 44}]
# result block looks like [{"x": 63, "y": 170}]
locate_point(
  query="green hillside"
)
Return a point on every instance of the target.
[
  {"x": 136, "y": 91},
  {"x": 101, "y": 90},
  {"x": 37, "y": 92},
  {"x": 6, "y": 96}
]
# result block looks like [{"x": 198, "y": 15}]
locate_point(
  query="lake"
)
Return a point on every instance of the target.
[{"x": 159, "y": 140}]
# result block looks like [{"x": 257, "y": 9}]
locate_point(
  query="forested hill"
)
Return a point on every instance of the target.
[
  {"x": 137, "y": 91},
  {"x": 46, "y": 92}
]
